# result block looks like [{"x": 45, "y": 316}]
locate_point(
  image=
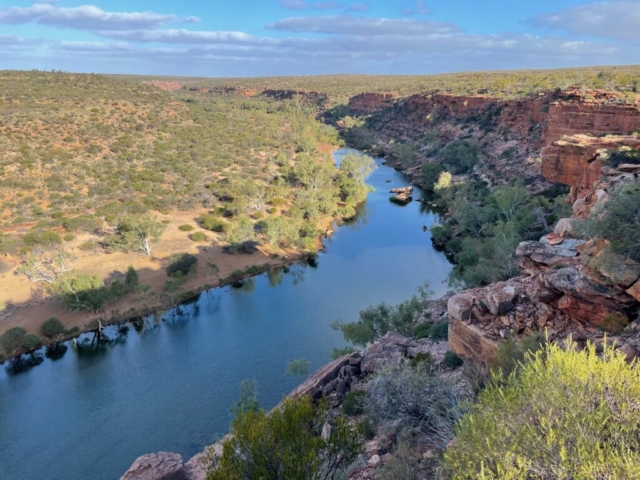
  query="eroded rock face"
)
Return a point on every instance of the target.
[
  {"x": 157, "y": 466},
  {"x": 368, "y": 103},
  {"x": 573, "y": 161}
]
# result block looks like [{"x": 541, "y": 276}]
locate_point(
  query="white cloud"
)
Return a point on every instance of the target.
[
  {"x": 358, "y": 7},
  {"x": 348, "y": 25},
  {"x": 184, "y": 36},
  {"x": 86, "y": 17},
  {"x": 615, "y": 19}
]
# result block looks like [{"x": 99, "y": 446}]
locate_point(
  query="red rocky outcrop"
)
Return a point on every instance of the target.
[{"x": 368, "y": 103}]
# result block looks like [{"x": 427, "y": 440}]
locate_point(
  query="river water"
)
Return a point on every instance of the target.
[{"x": 167, "y": 385}]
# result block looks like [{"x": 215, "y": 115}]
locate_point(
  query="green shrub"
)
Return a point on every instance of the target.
[
  {"x": 421, "y": 358},
  {"x": 430, "y": 172},
  {"x": 52, "y": 328},
  {"x": 198, "y": 237},
  {"x": 439, "y": 331},
  {"x": 68, "y": 237},
  {"x": 353, "y": 403},
  {"x": 413, "y": 401},
  {"x": 81, "y": 291},
  {"x": 452, "y": 360},
  {"x": 512, "y": 353},
  {"x": 422, "y": 330},
  {"x": 184, "y": 264},
  {"x": 84, "y": 223},
  {"x": 618, "y": 221},
  {"x": 213, "y": 223},
  {"x": 31, "y": 342},
  {"x": 366, "y": 428},
  {"x": 336, "y": 353},
  {"x": 12, "y": 340},
  {"x": 568, "y": 414},
  {"x": 45, "y": 238},
  {"x": 286, "y": 444},
  {"x": 131, "y": 279},
  {"x": 185, "y": 228}
]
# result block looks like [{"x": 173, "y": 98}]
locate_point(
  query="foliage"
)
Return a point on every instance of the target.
[
  {"x": 452, "y": 360},
  {"x": 430, "y": 173},
  {"x": 403, "y": 465},
  {"x": 81, "y": 291},
  {"x": 435, "y": 331},
  {"x": 511, "y": 354},
  {"x": 420, "y": 358},
  {"x": 285, "y": 444},
  {"x": 460, "y": 156},
  {"x": 183, "y": 264},
  {"x": 443, "y": 182},
  {"x": 12, "y": 340},
  {"x": 248, "y": 399},
  {"x": 566, "y": 414},
  {"x": 198, "y": 237},
  {"x": 413, "y": 400},
  {"x": 485, "y": 228},
  {"x": 135, "y": 233},
  {"x": 377, "y": 320},
  {"x": 45, "y": 238},
  {"x": 212, "y": 222},
  {"x": 353, "y": 403},
  {"x": 299, "y": 367},
  {"x": 31, "y": 342},
  {"x": 185, "y": 228},
  {"x": 618, "y": 221},
  {"x": 52, "y": 328},
  {"x": 131, "y": 279},
  {"x": 336, "y": 353}
]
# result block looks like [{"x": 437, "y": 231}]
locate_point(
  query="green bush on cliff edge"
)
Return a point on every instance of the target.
[{"x": 567, "y": 414}]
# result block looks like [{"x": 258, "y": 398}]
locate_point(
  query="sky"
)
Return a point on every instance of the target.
[{"x": 221, "y": 38}]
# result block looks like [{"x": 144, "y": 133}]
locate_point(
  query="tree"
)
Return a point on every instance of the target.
[
  {"x": 81, "y": 291},
  {"x": 136, "y": 234},
  {"x": 44, "y": 267},
  {"x": 241, "y": 235},
  {"x": 131, "y": 279},
  {"x": 444, "y": 182},
  {"x": 52, "y": 328},
  {"x": 313, "y": 174},
  {"x": 12, "y": 340},
  {"x": 286, "y": 444}
]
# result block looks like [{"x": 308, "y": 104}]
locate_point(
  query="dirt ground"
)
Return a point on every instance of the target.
[{"x": 24, "y": 304}]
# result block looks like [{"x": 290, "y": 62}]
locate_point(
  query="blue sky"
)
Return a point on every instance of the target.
[{"x": 302, "y": 37}]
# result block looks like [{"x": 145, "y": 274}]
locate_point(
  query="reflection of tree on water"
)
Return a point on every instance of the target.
[
  {"x": 360, "y": 219},
  {"x": 275, "y": 276},
  {"x": 181, "y": 314}
]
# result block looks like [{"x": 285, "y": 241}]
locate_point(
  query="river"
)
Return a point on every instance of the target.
[{"x": 167, "y": 385}]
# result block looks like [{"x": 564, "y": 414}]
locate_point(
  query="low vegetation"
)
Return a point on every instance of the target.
[{"x": 567, "y": 413}]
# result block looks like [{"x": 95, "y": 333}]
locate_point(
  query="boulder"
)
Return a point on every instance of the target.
[
  {"x": 157, "y": 466},
  {"x": 408, "y": 190},
  {"x": 634, "y": 291},
  {"x": 470, "y": 342},
  {"x": 564, "y": 227},
  {"x": 615, "y": 267},
  {"x": 554, "y": 239},
  {"x": 460, "y": 305},
  {"x": 629, "y": 168}
]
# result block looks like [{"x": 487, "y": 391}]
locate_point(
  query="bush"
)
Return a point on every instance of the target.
[
  {"x": 185, "y": 228},
  {"x": 430, "y": 173},
  {"x": 45, "y": 238},
  {"x": 52, "y": 328},
  {"x": 198, "y": 237},
  {"x": 12, "y": 340},
  {"x": 439, "y": 331},
  {"x": 352, "y": 404},
  {"x": 512, "y": 353},
  {"x": 422, "y": 330},
  {"x": 210, "y": 222},
  {"x": 618, "y": 221},
  {"x": 131, "y": 279},
  {"x": 413, "y": 401},
  {"x": 184, "y": 264},
  {"x": 31, "y": 342},
  {"x": 84, "y": 223},
  {"x": 567, "y": 414},
  {"x": 452, "y": 360},
  {"x": 81, "y": 291},
  {"x": 68, "y": 237},
  {"x": 420, "y": 359},
  {"x": 460, "y": 156},
  {"x": 286, "y": 444},
  {"x": 366, "y": 428}
]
